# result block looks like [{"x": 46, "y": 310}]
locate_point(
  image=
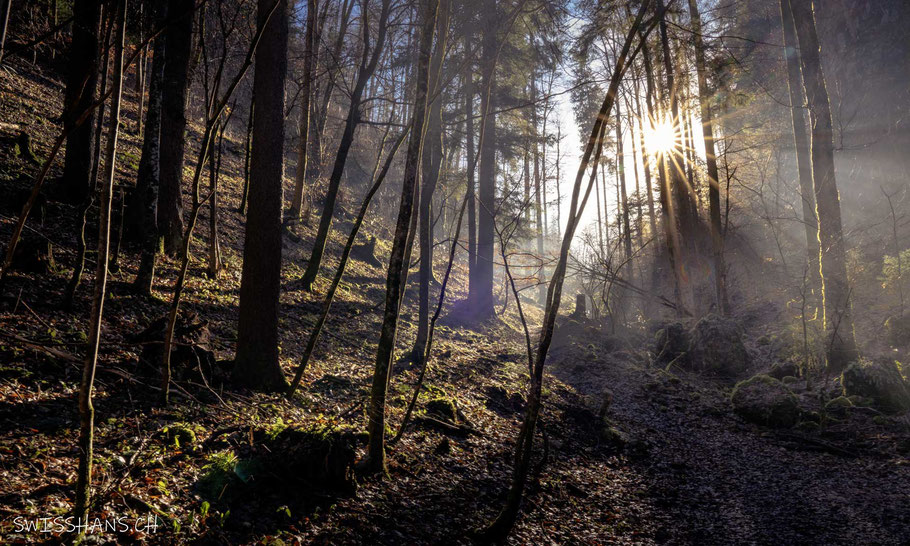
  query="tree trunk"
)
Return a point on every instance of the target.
[
  {"x": 214, "y": 263},
  {"x": 86, "y": 409},
  {"x": 431, "y": 161},
  {"x": 841, "y": 341},
  {"x": 4, "y": 20},
  {"x": 801, "y": 144},
  {"x": 177, "y": 76},
  {"x": 367, "y": 67},
  {"x": 471, "y": 162},
  {"x": 79, "y": 96},
  {"x": 717, "y": 242},
  {"x": 481, "y": 295},
  {"x": 257, "y": 364},
  {"x": 624, "y": 198},
  {"x": 145, "y": 196},
  {"x": 398, "y": 270},
  {"x": 247, "y": 150},
  {"x": 302, "y": 148}
]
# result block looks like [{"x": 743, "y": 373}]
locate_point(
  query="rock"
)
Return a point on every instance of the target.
[
  {"x": 780, "y": 370},
  {"x": 716, "y": 347},
  {"x": 766, "y": 401},
  {"x": 180, "y": 435},
  {"x": 671, "y": 343},
  {"x": 441, "y": 408},
  {"x": 34, "y": 254},
  {"x": 191, "y": 353},
  {"x": 503, "y": 402},
  {"x": 366, "y": 253},
  {"x": 838, "y": 407},
  {"x": 897, "y": 330},
  {"x": 880, "y": 382},
  {"x": 319, "y": 459}
]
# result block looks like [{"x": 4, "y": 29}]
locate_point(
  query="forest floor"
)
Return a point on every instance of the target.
[{"x": 672, "y": 464}]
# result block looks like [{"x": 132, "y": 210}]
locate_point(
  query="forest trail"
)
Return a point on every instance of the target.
[{"x": 711, "y": 478}]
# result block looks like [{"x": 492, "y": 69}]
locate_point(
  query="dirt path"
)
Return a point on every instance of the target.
[{"x": 713, "y": 479}]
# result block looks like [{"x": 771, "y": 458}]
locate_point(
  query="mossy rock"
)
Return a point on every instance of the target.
[
  {"x": 764, "y": 400},
  {"x": 897, "y": 330},
  {"x": 442, "y": 408},
  {"x": 320, "y": 458},
  {"x": 716, "y": 347},
  {"x": 789, "y": 380},
  {"x": 671, "y": 343},
  {"x": 780, "y": 370},
  {"x": 180, "y": 435},
  {"x": 880, "y": 382},
  {"x": 838, "y": 407}
]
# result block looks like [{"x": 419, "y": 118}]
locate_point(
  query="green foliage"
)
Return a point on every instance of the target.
[{"x": 890, "y": 277}]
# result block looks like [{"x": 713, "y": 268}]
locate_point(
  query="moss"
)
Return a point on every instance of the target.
[
  {"x": 716, "y": 347},
  {"x": 218, "y": 475},
  {"x": 443, "y": 408},
  {"x": 180, "y": 435},
  {"x": 879, "y": 381},
  {"x": 838, "y": 406},
  {"x": 764, "y": 400},
  {"x": 789, "y": 380}
]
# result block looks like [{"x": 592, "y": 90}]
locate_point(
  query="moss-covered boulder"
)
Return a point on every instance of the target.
[
  {"x": 780, "y": 370},
  {"x": 671, "y": 343},
  {"x": 442, "y": 408},
  {"x": 838, "y": 407},
  {"x": 897, "y": 330},
  {"x": 878, "y": 381},
  {"x": 764, "y": 400},
  {"x": 320, "y": 458},
  {"x": 716, "y": 347}
]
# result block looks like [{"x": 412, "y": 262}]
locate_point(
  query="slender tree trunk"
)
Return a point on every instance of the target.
[
  {"x": 4, "y": 20},
  {"x": 639, "y": 226},
  {"x": 81, "y": 247},
  {"x": 257, "y": 364},
  {"x": 717, "y": 241},
  {"x": 841, "y": 342},
  {"x": 367, "y": 67},
  {"x": 431, "y": 162},
  {"x": 247, "y": 150},
  {"x": 79, "y": 96},
  {"x": 482, "y": 296},
  {"x": 471, "y": 162},
  {"x": 214, "y": 258},
  {"x": 624, "y": 198},
  {"x": 177, "y": 76},
  {"x": 145, "y": 196},
  {"x": 801, "y": 144},
  {"x": 398, "y": 270},
  {"x": 302, "y": 159},
  {"x": 86, "y": 409}
]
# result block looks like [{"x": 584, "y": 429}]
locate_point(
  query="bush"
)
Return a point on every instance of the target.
[
  {"x": 716, "y": 346},
  {"x": 878, "y": 381},
  {"x": 766, "y": 401}
]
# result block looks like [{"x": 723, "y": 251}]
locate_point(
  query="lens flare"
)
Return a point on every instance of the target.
[{"x": 662, "y": 136}]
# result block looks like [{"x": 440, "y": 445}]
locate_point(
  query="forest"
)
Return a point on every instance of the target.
[{"x": 454, "y": 272}]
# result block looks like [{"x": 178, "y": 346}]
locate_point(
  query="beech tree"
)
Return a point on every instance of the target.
[
  {"x": 838, "y": 314},
  {"x": 257, "y": 362}
]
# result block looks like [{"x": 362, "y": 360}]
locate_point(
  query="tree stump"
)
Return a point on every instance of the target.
[
  {"x": 366, "y": 253},
  {"x": 581, "y": 311}
]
